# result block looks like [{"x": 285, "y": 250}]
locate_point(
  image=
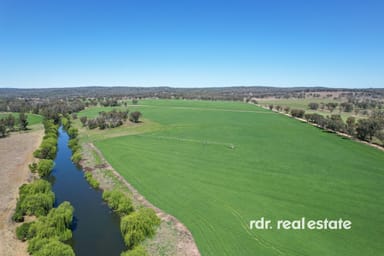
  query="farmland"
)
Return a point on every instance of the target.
[
  {"x": 217, "y": 165},
  {"x": 32, "y": 118}
]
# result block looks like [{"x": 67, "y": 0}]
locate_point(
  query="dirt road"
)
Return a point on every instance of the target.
[{"x": 15, "y": 155}]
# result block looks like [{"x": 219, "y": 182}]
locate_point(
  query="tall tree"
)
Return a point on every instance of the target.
[
  {"x": 23, "y": 118},
  {"x": 10, "y": 122},
  {"x": 351, "y": 125},
  {"x": 3, "y": 128},
  {"x": 134, "y": 116}
]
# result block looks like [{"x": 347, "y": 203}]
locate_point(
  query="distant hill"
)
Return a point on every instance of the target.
[{"x": 225, "y": 93}]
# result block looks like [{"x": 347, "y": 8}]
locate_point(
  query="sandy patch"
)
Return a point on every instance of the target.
[{"x": 15, "y": 155}]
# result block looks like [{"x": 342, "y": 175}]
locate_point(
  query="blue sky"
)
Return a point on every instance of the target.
[{"x": 200, "y": 43}]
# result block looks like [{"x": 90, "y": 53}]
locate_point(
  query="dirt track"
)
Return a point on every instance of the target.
[{"x": 15, "y": 155}]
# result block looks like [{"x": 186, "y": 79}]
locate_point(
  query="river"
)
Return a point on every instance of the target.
[{"x": 96, "y": 230}]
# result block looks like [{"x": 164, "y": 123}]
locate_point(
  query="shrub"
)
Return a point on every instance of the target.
[
  {"x": 49, "y": 247},
  {"x": 18, "y": 216},
  {"x": 139, "y": 225},
  {"x": 297, "y": 113},
  {"x": 313, "y": 105},
  {"x": 73, "y": 144},
  {"x": 56, "y": 224},
  {"x": 118, "y": 202},
  {"x": 72, "y": 132},
  {"x": 44, "y": 167},
  {"x": 136, "y": 251},
  {"x": 33, "y": 167},
  {"x": 76, "y": 157},
  {"x": 66, "y": 123},
  {"x": 37, "y": 204},
  {"x": 38, "y": 186},
  {"x": 83, "y": 120},
  {"x": 22, "y": 232},
  {"x": 34, "y": 199},
  {"x": 92, "y": 181},
  {"x": 134, "y": 116}
]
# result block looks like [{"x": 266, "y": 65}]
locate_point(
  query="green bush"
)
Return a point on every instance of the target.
[
  {"x": 139, "y": 225},
  {"x": 44, "y": 167},
  {"x": 18, "y": 216},
  {"x": 76, "y": 157},
  {"x": 35, "y": 198},
  {"x": 136, "y": 251},
  {"x": 38, "y": 186},
  {"x": 49, "y": 247},
  {"x": 55, "y": 225},
  {"x": 33, "y": 167},
  {"x": 37, "y": 204},
  {"x": 73, "y": 144},
  {"x": 92, "y": 181},
  {"x": 72, "y": 132},
  {"x": 66, "y": 123},
  {"x": 22, "y": 232},
  {"x": 47, "y": 149},
  {"x": 118, "y": 202}
]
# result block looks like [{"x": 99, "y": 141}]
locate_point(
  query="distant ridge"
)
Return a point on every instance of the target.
[{"x": 227, "y": 93}]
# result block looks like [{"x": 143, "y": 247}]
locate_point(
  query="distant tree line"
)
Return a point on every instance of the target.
[
  {"x": 215, "y": 93},
  {"x": 50, "y": 109},
  {"x": 360, "y": 107}
]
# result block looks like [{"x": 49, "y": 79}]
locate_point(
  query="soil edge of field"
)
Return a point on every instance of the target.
[
  {"x": 16, "y": 153},
  {"x": 172, "y": 237}
]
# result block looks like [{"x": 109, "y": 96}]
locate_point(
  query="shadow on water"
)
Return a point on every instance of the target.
[{"x": 96, "y": 230}]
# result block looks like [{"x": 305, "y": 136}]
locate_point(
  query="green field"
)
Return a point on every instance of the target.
[
  {"x": 217, "y": 165},
  {"x": 32, "y": 118}
]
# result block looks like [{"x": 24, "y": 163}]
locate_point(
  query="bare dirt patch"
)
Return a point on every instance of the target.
[
  {"x": 15, "y": 155},
  {"x": 172, "y": 237}
]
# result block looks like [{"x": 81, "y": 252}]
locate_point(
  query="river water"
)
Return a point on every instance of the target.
[{"x": 96, "y": 230}]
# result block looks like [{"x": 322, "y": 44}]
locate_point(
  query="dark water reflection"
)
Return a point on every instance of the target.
[{"x": 96, "y": 229}]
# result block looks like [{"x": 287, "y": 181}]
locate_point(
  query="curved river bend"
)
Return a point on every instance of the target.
[{"x": 96, "y": 230}]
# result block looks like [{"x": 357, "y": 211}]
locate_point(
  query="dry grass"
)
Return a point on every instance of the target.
[{"x": 15, "y": 155}]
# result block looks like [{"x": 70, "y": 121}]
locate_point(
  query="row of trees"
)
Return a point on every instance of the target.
[
  {"x": 73, "y": 142},
  {"x": 364, "y": 129},
  {"x": 110, "y": 119},
  {"x": 48, "y": 149},
  {"x": 10, "y": 123},
  {"x": 47, "y": 234},
  {"x": 135, "y": 226},
  {"x": 368, "y": 129},
  {"x": 331, "y": 106}
]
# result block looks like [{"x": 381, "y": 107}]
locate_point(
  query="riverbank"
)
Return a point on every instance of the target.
[
  {"x": 16, "y": 152},
  {"x": 172, "y": 237}
]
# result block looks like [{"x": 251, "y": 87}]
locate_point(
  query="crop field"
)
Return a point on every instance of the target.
[
  {"x": 32, "y": 118},
  {"x": 217, "y": 165}
]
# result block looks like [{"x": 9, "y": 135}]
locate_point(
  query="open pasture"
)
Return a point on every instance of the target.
[{"x": 217, "y": 165}]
